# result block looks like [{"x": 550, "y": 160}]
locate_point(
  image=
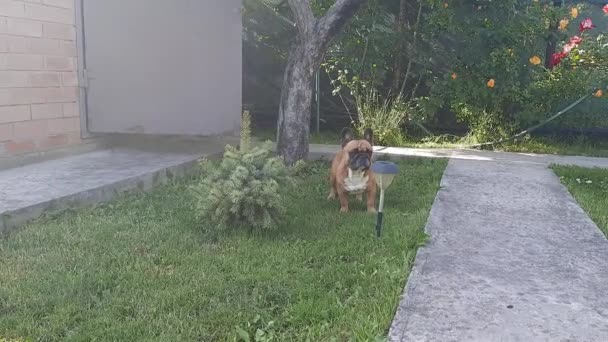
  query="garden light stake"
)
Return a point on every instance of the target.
[{"x": 384, "y": 172}]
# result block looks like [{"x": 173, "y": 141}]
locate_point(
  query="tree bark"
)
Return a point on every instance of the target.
[
  {"x": 294, "y": 109},
  {"x": 401, "y": 28},
  {"x": 313, "y": 38},
  {"x": 552, "y": 40}
]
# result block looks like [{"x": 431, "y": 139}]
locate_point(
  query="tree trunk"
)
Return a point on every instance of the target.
[
  {"x": 401, "y": 28},
  {"x": 296, "y": 101},
  {"x": 552, "y": 40},
  {"x": 314, "y": 36}
]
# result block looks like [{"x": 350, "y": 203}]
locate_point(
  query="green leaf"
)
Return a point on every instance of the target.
[{"x": 242, "y": 334}]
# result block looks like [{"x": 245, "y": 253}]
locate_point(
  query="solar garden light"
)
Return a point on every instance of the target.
[{"x": 384, "y": 172}]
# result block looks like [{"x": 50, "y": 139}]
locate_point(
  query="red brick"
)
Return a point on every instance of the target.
[
  {"x": 63, "y": 94},
  {"x": 6, "y": 132},
  {"x": 45, "y": 79},
  {"x": 48, "y": 13},
  {"x": 60, "y": 63},
  {"x": 74, "y": 138},
  {"x": 24, "y": 27},
  {"x": 59, "y": 31},
  {"x": 68, "y": 48},
  {"x": 3, "y": 41},
  {"x": 59, "y": 3},
  {"x": 53, "y": 141},
  {"x": 69, "y": 79},
  {"x": 3, "y": 25},
  {"x": 71, "y": 109},
  {"x": 22, "y": 96},
  {"x": 12, "y": 8},
  {"x": 64, "y": 125},
  {"x": 14, "y": 114},
  {"x": 13, "y": 147},
  {"x": 13, "y": 61},
  {"x": 10, "y": 79},
  {"x": 35, "y": 46},
  {"x": 34, "y": 129},
  {"x": 47, "y": 111}
]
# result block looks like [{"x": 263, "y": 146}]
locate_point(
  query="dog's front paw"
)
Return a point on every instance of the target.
[
  {"x": 344, "y": 210},
  {"x": 371, "y": 210}
]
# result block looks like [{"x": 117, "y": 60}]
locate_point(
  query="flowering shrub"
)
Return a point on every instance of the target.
[
  {"x": 577, "y": 69},
  {"x": 498, "y": 77}
]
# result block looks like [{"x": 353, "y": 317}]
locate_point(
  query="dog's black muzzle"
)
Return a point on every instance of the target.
[{"x": 360, "y": 161}]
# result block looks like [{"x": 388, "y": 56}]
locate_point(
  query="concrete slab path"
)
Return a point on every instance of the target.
[
  {"x": 89, "y": 178},
  {"x": 327, "y": 151},
  {"x": 511, "y": 257},
  {"x": 123, "y": 163}
]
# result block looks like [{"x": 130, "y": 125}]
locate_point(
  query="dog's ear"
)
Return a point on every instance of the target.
[
  {"x": 346, "y": 136},
  {"x": 368, "y": 135}
]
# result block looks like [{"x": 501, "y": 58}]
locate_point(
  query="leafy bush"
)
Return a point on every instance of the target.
[
  {"x": 496, "y": 78},
  {"x": 585, "y": 68},
  {"x": 384, "y": 117},
  {"x": 243, "y": 191}
]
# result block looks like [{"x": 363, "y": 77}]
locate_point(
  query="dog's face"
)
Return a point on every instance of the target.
[{"x": 359, "y": 152}]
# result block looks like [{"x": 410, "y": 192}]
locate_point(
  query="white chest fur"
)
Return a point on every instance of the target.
[{"x": 356, "y": 182}]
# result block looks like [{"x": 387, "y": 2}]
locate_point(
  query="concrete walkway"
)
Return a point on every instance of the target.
[
  {"x": 89, "y": 178},
  {"x": 511, "y": 255},
  {"x": 124, "y": 163},
  {"x": 327, "y": 151}
]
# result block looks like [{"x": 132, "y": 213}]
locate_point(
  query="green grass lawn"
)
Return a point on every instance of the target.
[
  {"x": 590, "y": 188},
  {"x": 139, "y": 269}
]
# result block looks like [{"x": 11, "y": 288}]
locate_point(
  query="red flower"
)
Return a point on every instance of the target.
[
  {"x": 556, "y": 58},
  {"x": 586, "y": 24},
  {"x": 568, "y": 47},
  {"x": 576, "y": 40},
  {"x": 605, "y": 8}
]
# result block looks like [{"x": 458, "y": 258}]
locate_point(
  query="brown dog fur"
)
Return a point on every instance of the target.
[{"x": 339, "y": 172}]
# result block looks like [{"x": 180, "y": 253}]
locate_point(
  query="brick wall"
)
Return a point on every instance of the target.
[{"x": 38, "y": 79}]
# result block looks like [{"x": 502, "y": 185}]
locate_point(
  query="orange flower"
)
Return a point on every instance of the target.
[
  {"x": 491, "y": 83},
  {"x": 454, "y": 76},
  {"x": 599, "y": 93},
  {"x": 535, "y": 60},
  {"x": 574, "y": 12},
  {"x": 563, "y": 24}
]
